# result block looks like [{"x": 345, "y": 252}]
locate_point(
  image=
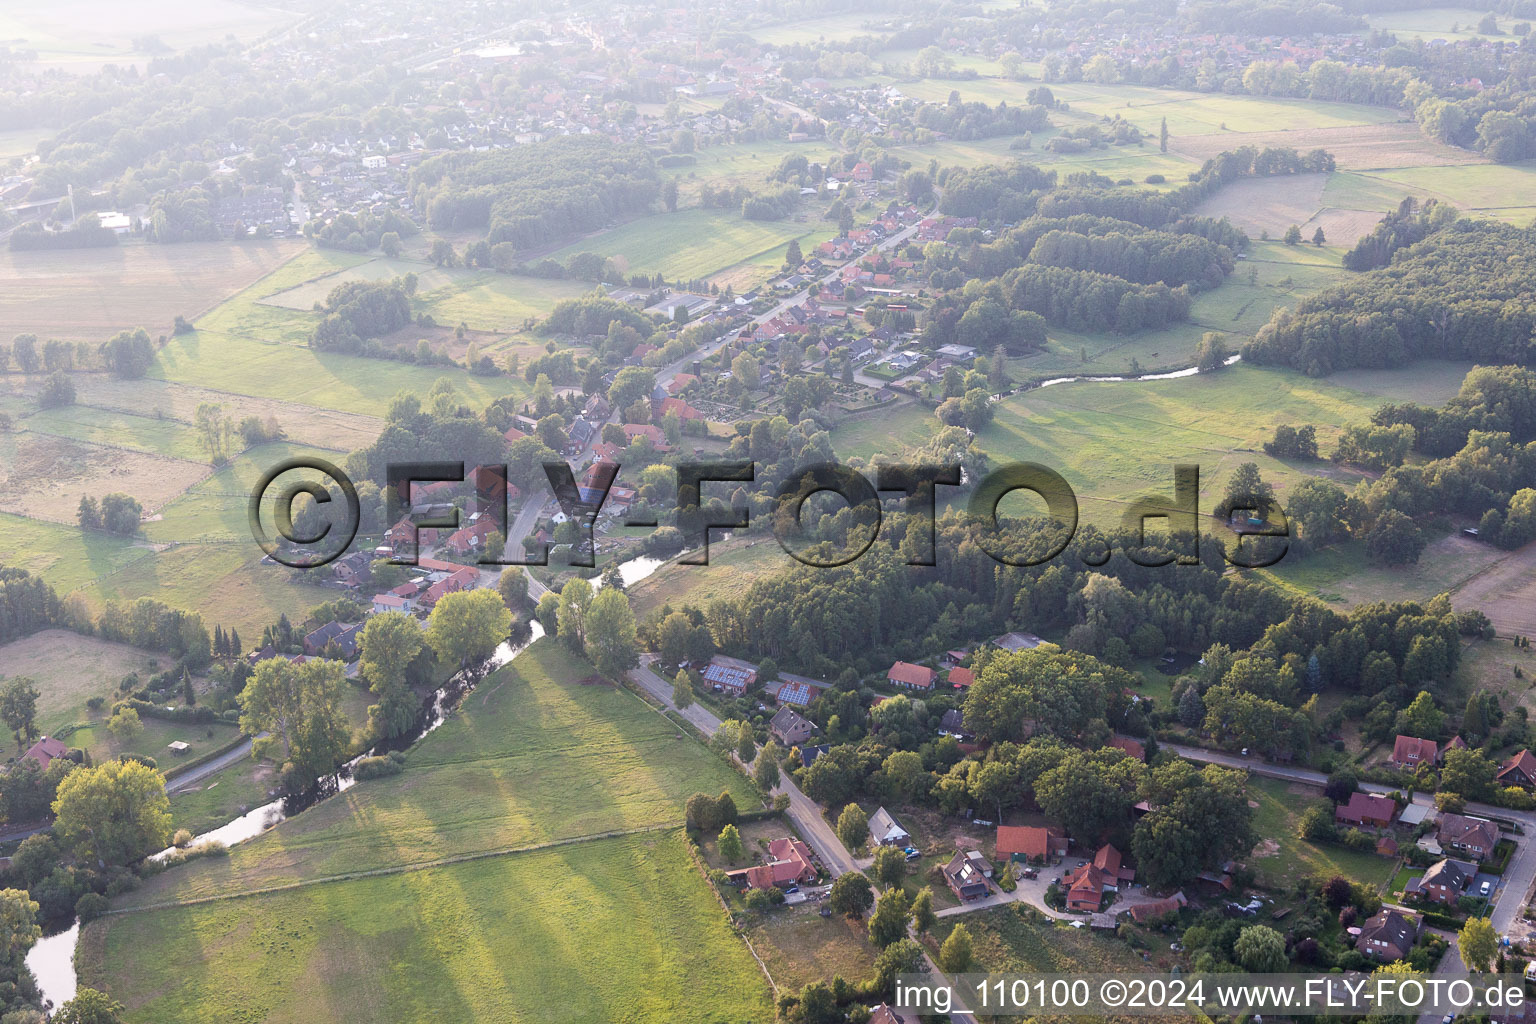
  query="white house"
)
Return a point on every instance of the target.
[{"x": 885, "y": 830}]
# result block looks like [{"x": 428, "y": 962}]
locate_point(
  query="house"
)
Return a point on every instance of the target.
[
  {"x": 1519, "y": 770},
  {"x": 951, "y": 658},
  {"x": 862, "y": 171},
  {"x": 953, "y": 724},
  {"x": 1371, "y": 809},
  {"x": 45, "y": 751},
  {"x": 789, "y": 863},
  {"x": 1388, "y": 936},
  {"x": 1086, "y": 885},
  {"x": 790, "y": 728},
  {"x": 389, "y": 603},
  {"x": 470, "y": 538},
  {"x": 886, "y": 831},
  {"x": 960, "y": 678},
  {"x": 1444, "y": 882},
  {"x": 1408, "y": 752},
  {"x": 808, "y": 755},
  {"x": 465, "y": 578},
  {"x": 1152, "y": 911},
  {"x": 1030, "y": 843},
  {"x": 344, "y": 636},
  {"x": 910, "y": 676},
  {"x": 1475, "y": 837},
  {"x": 1017, "y": 642},
  {"x": 794, "y": 690},
  {"x": 885, "y": 1015},
  {"x": 1133, "y": 748},
  {"x": 352, "y": 571},
  {"x": 1386, "y": 846},
  {"x": 964, "y": 877},
  {"x": 730, "y": 675}
]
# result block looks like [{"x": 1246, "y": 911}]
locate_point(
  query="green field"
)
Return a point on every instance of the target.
[
  {"x": 1282, "y": 858},
  {"x": 103, "y": 426},
  {"x": 1345, "y": 575},
  {"x": 887, "y": 431},
  {"x": 533, "y": 757},
  {"x": 612, "y": 930},
  {"x": 67, "y": 557},
  {"x": 1116, "y": 441},
  {"x": 733, "y": 567},
  {"x": 69, "y": 669},
  {"x": 688, "y": 244},
  {"x": 1474, "y": 186},
  {"x": 810, "y": 30},
  {"x": 1435, "y": 23},
  {"x": 1004, "y": 940}
]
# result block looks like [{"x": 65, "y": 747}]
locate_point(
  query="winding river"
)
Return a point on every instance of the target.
[{"x": 52, "y": 959}]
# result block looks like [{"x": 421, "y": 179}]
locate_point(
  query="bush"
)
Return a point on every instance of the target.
[
  {"x": 377, "y": 768},
  {"x": 90, "y": 906},
  {"x": 182, "y": 838}
]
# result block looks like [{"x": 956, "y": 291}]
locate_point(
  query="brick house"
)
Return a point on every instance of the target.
[
  {"x": 1408, "y": 752},
  {"x": 1519, "y": 770},
  {"x": 1389, "y": 935},
  {"x": 1030, "y": 843},
  {"x": 1475, "y": 837},
  {"x": 1370, "y": 809},
  {"x": 910, "y": 676},
  {"x": 1444, "y": 882}
]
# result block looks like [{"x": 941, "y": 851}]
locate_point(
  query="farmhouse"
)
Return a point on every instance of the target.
[
  {"x": 966, "y": 875},
  {"x": 45, "y": 751},
  {"x": 1388, "y": 936},
  {"x": 910, "y": 676},
  {"x": 1030, "y": 843},
  {"x": 789, "y": 863},
  {"x": 1087, "y": 885},
  {"x": 1367, "y": 809},
  {"x": 885, "y": 830},
  {"x": 790, "y": 728},
  {"x": 1408, "y": 752},
  {"x": 960, "y": 677},
  {"x": 730, "y": 675},
  {"x": 1519, "y": 770},
  {"x": 1476, "y": 837}
]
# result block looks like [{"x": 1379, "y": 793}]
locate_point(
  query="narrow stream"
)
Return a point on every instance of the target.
[
  {"x": 1188, "y": 371},
  {"x": 52, "y": 959}
]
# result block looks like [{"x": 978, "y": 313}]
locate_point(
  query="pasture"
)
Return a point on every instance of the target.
[
  {"x": 1117, "y": 441},
  {"x": 157, "y": 436},
  {"x": 688, "y": 244},
  {"x": 69, "y": 669},
  {"x": 64, "y": 555},
  {"x": 91, "y": 294},
  {"x": 533, "y": 756},
  {"x": 611, "y": 930},
  {"x": 734, "y": 565},
  {"x": 1346, "y": 576},
  {"x": 1485, "y": 187},
  {"x": 43, "y": 475}
]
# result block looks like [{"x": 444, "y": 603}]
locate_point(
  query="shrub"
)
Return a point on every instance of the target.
[
  {"x": 377, "y": 768},
  {"x": 91, "y": 906},
  {"x": 182, "y": 839}
]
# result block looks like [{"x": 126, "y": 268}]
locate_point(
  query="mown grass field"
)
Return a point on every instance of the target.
[
  {"x": 124, "y": 430},
  {"x": 532, "y": 757},
  {"x": 1116, "y": 441},
  {"x": 65, "y": 556},
  {"x": 1283, "y": 858},
  {"x": 733, "y": 567},
  {"x": 613, "y": 930},
  {"x": 1475, "y": 187},
  {"x": 69, "y": 669},
  {"x": 1346, "y": 576},
  {"x": 1435, "y": 23},
  {"x": 688, "y": 244}
]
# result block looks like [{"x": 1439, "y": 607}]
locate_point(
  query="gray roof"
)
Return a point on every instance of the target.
[{"x": 882, "y": 825}]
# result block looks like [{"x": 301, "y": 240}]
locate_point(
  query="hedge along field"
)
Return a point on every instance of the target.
[
  {"x": 611, "y": 930},
  {"x": 1115, "y": 442},
  {"x": 532, "y": 757},
  {"x": 687, "y": 244}
]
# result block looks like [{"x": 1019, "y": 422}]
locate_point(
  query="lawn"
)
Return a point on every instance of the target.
[
  {"x": 1015, "y": 940},
  {"x": 533, "y": 756},
  {"x": 611, "y": 930},
  {"x": 1282, "y": 858},
  {"x": 888, "y": 431},
  {"x": 689, "y": 244},
  {"x": 221, "y": 798},
  {"x": 800, "y": 946}
]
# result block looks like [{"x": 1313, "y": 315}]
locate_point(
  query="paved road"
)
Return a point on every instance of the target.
[
  {"x": 1515, "y": 884},
  {"x": 202, "y": 771}
]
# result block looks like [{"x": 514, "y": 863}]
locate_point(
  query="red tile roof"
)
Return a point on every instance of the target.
[
  {"x": 908, "y": 674},
  {"x": 1027, "y": 840},
  {"x": 1413, "y": 750}
]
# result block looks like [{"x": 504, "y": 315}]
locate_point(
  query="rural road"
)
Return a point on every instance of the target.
[
  {"x": 1518, "y": 875},
  {"x": 202, "y": 771},
  {"x": 803, "y": 811}
]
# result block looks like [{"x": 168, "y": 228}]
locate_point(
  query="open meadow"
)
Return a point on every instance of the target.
[
  {"x": 1282, "y": 858},
  {"x": 534, "y": 756},
  {"x": 91, "y": 294},
  {"x": 611, "y": 930}
]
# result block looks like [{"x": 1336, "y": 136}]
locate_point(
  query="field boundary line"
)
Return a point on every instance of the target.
[{"x": 398, "y": 869}]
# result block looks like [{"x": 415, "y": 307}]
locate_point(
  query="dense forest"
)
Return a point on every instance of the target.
[
  {"x": 1463, "y": 292},
  {"x": 538, "y": 194}
]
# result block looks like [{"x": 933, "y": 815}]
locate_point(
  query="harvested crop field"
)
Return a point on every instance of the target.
[
  {"x": 44, "y": 476},
  {"x": 1273, "y": 204},
  {"x": 1505, "y": 592},
  {"x": 305, "y": 424},
  {"x": 91, "y": 294},
  {"x": 1398, "y": 144}
]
